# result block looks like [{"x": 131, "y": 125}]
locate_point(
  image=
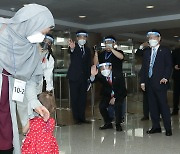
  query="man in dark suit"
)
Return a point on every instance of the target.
[
  {"x": 176, "y": 80},
  {"x": 156, "y": 71},
  {"x": 113, "y": 83},
  {"x": 78, "y": 74}
]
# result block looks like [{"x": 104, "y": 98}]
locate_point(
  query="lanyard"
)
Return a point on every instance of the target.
[{"x": 107, "y": 55}]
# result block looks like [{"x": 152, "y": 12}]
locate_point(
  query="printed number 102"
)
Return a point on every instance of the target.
[{"x": 18, "y": 90}]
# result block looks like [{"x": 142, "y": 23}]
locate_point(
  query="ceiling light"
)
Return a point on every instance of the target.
[
  {"x": 149, "y": 7},
  {"x": 176, "y": 36},
  {"x": 82, "y": 16}
]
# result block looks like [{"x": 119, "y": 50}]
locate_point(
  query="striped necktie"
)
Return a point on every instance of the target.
[{"x": 154, "y": 52}]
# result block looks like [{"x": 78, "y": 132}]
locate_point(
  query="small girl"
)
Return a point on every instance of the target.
[{"x": 39, "y": 138}]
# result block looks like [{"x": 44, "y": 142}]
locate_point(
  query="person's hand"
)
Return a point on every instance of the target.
[
  {"x": 144, "y": 45},
  {"x": 41, "y": 110},
  {"x": 112, "y": 101},
  {"x": 176, "y": 67},
  {"x": 71, "y": 44},
  {"x": 143, "y": 86},
  {"x": 94, "y": 70},
  {"x": 108, "y": 48},
  {"x": 163, "y": 81}
]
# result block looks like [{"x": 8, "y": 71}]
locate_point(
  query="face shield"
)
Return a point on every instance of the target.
[
  {"x": 82, "y": 37},
  {"x": 153, "y": 38},
  {"x": 105, "y": 69},
  {"x": 47, "y": 43}
]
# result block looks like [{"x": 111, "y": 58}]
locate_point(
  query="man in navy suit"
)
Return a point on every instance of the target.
[
  {"x": 156, "y": 71},
  {"x": 78, "y": 74}
]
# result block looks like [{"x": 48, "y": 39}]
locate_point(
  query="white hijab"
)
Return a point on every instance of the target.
[{"x": 17, "y": 55}]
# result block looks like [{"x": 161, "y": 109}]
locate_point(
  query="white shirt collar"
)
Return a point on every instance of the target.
[
  {"x": 156, "y": 47},
  {"x": 81, "y": 46}
]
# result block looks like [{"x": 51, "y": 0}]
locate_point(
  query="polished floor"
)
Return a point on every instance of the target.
[{"x": 88, "y": 139}]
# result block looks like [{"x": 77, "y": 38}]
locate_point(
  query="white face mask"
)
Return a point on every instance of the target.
[
  {"x": 153, "y": 42},
  {"x": 105, "y": 73},
  {"x": 37, "y": 37},
  {"x": 110, "y": 45},
  {"x": 82, "y": 42}
]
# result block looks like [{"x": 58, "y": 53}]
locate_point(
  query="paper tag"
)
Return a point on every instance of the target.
[{"x": 18, "y": 90}]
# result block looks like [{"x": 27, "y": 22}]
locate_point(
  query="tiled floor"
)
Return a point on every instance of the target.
[{"x": 88, "y": 139}]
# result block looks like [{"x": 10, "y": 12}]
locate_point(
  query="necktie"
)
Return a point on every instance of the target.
[
  {"x": 154, "y": 52},
  {"x": 109, "y": 80},
  {"x": 82, "y": 51}
]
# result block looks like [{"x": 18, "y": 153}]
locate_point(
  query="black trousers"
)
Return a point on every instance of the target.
[
  {"x": 176, "y": 94},
  {"x": 158, "y": 105},
  {"x": 78, "y": 94},
  {"x": 103, "y": 107},
  {"x": 145, "y": 104}
]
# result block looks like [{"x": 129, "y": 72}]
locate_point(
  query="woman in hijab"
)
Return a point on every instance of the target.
[{"x": 20, "y": 59}]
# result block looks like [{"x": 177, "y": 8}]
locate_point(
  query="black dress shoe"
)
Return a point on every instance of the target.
[
  {"x": 174, "y": 113},
  {"x": 154, "y": 130},
  {"x": 169, "y": 133},
  {"x": 106, "y": 126},
  {"x": 144, "y": 118},
  {"x": 118, "y": 128}
]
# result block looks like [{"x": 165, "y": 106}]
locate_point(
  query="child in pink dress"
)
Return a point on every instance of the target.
[{"x": 39, "y": 138}]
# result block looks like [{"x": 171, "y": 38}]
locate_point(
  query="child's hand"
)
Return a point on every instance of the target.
[
  {"x": 43, "y": 112},
  {"x": 25, "y": 128}
]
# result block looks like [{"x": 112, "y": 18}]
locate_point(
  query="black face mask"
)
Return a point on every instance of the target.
[{"x": 44, "y": 45}]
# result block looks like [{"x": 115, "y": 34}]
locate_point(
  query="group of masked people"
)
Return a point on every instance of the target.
[
  {"x": 107, "y": 70},
  {"x": 21, "y": 58},
  {"x": 154, "y": 80}
]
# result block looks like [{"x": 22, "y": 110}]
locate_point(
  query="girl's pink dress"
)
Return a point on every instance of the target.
[{"x": 40, "y": 139}]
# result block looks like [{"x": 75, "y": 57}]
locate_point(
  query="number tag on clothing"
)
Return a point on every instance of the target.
[{"x": 18, "y": 90}]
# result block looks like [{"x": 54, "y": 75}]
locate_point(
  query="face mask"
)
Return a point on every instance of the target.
[
  {"x": 153, "y": 43},
  {"x": 82, "y": 42},
  {"x": 105, "y": 73},
  {"x": 110, "y": 45},
  {"x": 36, "y": 37}
]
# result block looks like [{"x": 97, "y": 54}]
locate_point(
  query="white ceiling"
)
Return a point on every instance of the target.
[{"x": 122, "y": 18}]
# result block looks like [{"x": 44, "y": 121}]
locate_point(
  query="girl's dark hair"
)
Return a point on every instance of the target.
[{"x": 47, "y": 99}]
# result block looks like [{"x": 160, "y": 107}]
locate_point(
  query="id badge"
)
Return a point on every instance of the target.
[{"x": 18, "y": 90}]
